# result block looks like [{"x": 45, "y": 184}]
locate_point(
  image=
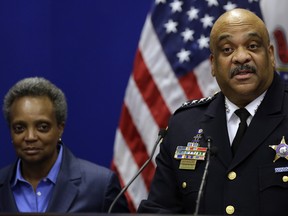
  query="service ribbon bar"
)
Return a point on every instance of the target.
[{"x": 186, "y": 152}]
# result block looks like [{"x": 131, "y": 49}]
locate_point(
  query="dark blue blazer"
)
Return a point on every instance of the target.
[
  {"x": 81, "y": 186},
  {"x": 257, "y": 186}
]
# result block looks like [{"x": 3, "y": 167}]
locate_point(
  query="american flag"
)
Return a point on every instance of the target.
[{"x": 171, "y": 66}]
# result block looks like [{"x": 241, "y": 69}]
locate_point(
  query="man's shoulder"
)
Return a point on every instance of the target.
[{"x": 205, "y": 101}]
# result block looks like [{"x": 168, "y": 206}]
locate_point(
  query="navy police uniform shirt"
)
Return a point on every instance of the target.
[{"x": 253, "y": 182}]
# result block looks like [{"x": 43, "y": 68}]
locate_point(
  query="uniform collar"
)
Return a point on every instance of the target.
[{"x": 251, "y": 107}]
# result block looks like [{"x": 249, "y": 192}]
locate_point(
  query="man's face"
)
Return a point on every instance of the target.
[
  {"x": 242, "y": 59},
  {"x": 34, "y": 130}
]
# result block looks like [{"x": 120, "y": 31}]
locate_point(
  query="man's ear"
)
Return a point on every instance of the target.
[
  {"x": 211, "y": 58},
  {"x": 272, "y": 56}
]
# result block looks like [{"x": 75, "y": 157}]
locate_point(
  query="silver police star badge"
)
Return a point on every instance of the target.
[{"x": 281, "y": 150}]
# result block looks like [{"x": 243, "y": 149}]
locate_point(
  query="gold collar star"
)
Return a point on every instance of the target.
[{"x": 281, "y": 150}]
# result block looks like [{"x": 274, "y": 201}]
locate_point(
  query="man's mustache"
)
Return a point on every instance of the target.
[{"x": 241, "y": 68}]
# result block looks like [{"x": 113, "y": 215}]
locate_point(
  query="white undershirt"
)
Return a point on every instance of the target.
[{"x": 233, "y": 120}]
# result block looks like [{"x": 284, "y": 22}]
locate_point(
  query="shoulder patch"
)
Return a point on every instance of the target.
[{"x": 194, "y": 103}]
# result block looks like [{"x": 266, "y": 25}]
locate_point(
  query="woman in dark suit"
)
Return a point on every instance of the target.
[{"x": 47, "y": 177}]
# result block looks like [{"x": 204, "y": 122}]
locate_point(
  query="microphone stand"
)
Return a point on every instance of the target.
[
  {"x": 200, "y": 192},
  {"x": 161, "y": 135}
]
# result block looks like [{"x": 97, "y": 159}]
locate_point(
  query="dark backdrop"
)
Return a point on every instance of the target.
[{"x": 87, "y": 48}]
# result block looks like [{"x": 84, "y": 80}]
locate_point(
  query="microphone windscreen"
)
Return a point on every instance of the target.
[{"x": 162, "y": 132}]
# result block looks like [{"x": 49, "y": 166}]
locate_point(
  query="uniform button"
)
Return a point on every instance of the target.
[
  {"x": 230, "y": 209},
  {"x": 285, "y": 178},
  {"x": 184, "y": 185},
  {"x": 232, "y": 175},
  {"x": 39, "y": 193}
]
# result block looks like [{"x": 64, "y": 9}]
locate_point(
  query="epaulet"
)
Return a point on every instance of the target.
[{"x": 194, "y": 103}]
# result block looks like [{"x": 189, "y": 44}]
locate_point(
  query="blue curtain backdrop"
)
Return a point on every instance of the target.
[{"x": 87, "y": 48}]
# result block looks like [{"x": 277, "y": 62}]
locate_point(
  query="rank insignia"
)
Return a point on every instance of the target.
[
  {"x": 281, "y": 150},
  {"x": 191, "y": 153}
]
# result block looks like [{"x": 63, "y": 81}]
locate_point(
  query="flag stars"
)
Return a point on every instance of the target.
[
  {"x": 229, "y": 6},
  {"x": 160, "y": 1},
  {"x": 212, "y": 3},
  {"x": 192, "y": 14},
  {"x": 171, "y": 26},
  {"x": 203, "y": 42},
  {"x": 176, "y": 6},
  {"x": 187, "y": 35},
  {"x": 183, "y": 55},
  {"x": 207, "y": 21}
]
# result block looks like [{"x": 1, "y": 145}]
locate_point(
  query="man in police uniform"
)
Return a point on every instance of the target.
[{"x": 253, "y": 178}]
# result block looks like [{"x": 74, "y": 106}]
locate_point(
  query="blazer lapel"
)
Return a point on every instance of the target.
[
  {"x": 65, "y": 190},
  {"x": 63, "y": 195}
]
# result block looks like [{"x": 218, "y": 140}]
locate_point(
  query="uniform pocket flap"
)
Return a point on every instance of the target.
[{"x": 273, "y": 175}]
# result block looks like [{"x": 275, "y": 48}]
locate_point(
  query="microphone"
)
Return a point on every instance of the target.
[
  {"x": 161, "y": 135},
  {"x": 210, "y": 151}
]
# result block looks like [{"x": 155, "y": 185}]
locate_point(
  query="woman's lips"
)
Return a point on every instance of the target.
[{"x": 31, "y": 151}]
